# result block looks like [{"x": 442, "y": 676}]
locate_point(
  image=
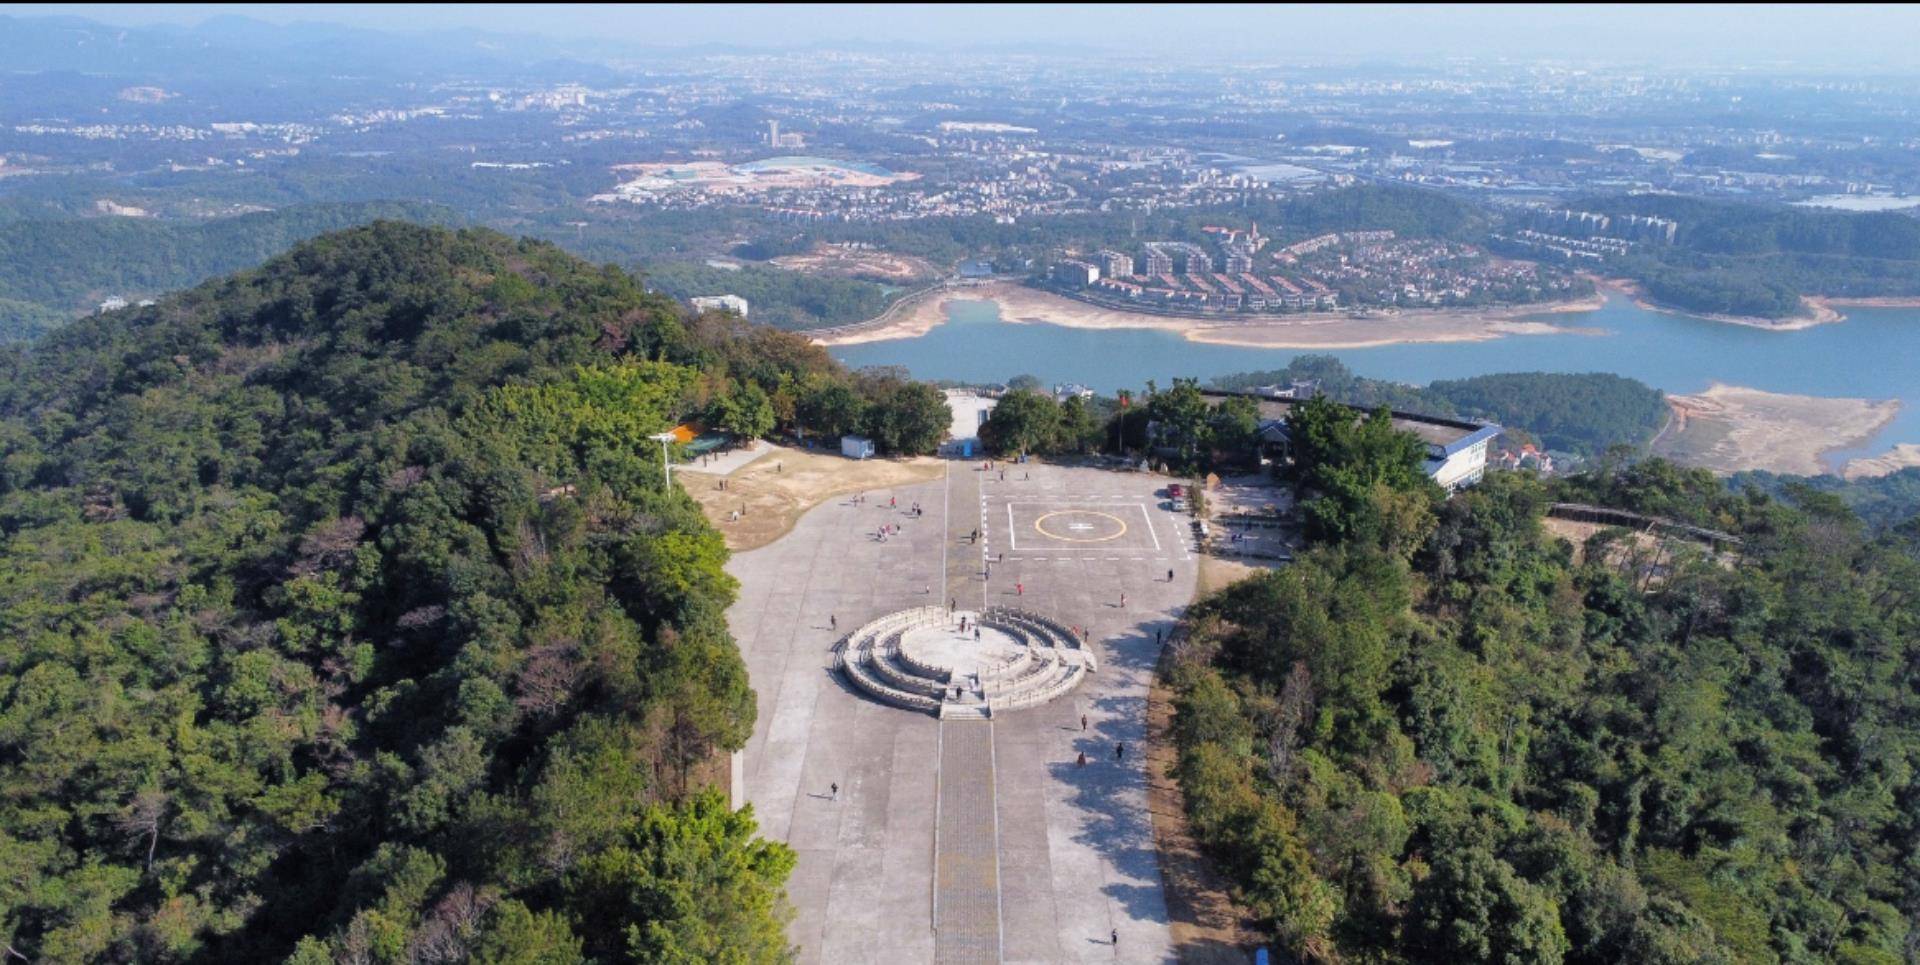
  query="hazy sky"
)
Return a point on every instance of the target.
[{"x": 1854, "y": 36}]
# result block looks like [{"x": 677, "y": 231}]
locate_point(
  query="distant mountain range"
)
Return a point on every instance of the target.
[
  {"x": 233, "y": 47},
  {"x": 228, "y": 49}
]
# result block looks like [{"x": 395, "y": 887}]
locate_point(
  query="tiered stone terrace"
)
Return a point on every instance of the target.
[{"x": 1007, "y": 659}]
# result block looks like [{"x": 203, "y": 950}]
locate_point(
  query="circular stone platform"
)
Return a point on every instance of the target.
[
  {"x": 919, "y": 659},
  {"x": 958, "y": 655}
]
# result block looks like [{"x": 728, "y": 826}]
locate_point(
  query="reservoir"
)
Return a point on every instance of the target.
[{"x": 1874, "y": 354}]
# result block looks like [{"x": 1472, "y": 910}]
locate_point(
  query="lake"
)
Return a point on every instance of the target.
[
  {"x": 797, "y": 161},
  {"x": 1874, "y": 354}
]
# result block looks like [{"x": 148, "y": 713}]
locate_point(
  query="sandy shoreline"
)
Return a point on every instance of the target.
[
  {"x": 910, "y": 318},
  {"x": 1820, "y": 311},
  {"x": 1893, "y": 460},
  {"x": 1874, "y": 301},
  {"x": 1725, "y": 429},
  {"x": 1319, "y": 330},
  {"x": 1730, "y": 428}
]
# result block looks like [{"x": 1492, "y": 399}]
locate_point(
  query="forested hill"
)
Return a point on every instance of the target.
[
  {"x": 346, "y": 616},
  {"x": 54, "y": 269},
  {"x": 1447, "y": 734},
  {"x": 1758, "y": 259},
  {"x": 1585, "y": 413}
]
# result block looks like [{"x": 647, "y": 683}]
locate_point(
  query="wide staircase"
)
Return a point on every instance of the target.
[{"x": 1025, "y": 660}]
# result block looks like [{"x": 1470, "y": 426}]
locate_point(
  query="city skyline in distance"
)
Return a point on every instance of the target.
[{"x": 1858, "y": 38}]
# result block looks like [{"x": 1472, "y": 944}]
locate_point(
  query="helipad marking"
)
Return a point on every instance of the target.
[{"x": 1039, "y": 526}]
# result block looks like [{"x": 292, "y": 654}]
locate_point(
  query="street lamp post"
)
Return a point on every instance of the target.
[{"x": 666, "y": 468}]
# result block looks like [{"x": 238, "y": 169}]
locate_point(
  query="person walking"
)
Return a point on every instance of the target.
[
  {"x": 835, "y": 789},
  {"x": 1123, "y": 601},
  {"x": 833, "y": 622},
  {"x": 1019, "y": 589},
  {"x": 1119, "y": 752},
  {"x": 1169, "y": 576},
  {"x": 1083, "y": 722},
  {"x": 1113, "y": 935},
  {"x": 1082, "y": 762}
]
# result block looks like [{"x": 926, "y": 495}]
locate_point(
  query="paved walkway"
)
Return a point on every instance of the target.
[
  {"x": 1072, "y": 846},
  {"x": 724, "y": 463},
  {"x": 966, "y": 890}
]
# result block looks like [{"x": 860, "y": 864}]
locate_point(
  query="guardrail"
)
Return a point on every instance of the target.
[{"x": 1606, "y": 516}]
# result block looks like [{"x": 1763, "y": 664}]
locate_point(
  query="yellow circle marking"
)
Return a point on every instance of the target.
[{"x": 1039, "y": 525}]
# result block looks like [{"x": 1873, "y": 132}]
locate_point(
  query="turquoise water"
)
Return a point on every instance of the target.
[
  {"x": 1874, "y": 354},
  {"x": 797, "y": 161}
]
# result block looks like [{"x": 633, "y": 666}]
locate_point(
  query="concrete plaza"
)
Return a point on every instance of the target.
[{"x": 986, "y": 844}]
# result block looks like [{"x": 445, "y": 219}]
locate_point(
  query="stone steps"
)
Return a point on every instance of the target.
[
  {"x": 954, "y": 711},
  {"x": 1049, "y": 663}
]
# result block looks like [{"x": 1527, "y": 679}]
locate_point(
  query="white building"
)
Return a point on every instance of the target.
[
  {"x": 968, "y": 412},
  {"x": 1456, "y": 449},
  {"x": 1077, "y": 272},
  {"x": 720, "y": 303}
]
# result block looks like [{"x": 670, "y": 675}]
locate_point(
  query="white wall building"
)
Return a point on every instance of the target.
[{"x": 720, "y": 303}]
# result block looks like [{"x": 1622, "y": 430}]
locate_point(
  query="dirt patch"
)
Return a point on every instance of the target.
[
  {"x": 871, "y": 264},
  {"x": 1217, "y": 573},
  {"x": 1208, "y": 928},
  {"x": 1729, "y": 428},
  {"x": 775, "y": 489},
  {"x": 1578, "y": 532},
  {"x": 1640, "y": 555}
]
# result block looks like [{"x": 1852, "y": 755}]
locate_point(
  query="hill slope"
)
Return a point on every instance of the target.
[
  {"x": 52, "y": 269},
  {"x": 347, "y": 616},
  {"x": 1452, "y": 736}
]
